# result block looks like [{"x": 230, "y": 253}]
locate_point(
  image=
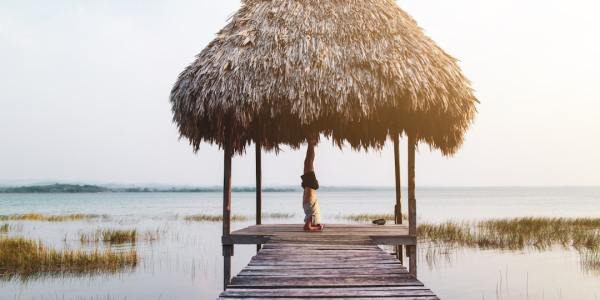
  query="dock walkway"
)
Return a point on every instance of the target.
[{"x": 316, "y": 265}]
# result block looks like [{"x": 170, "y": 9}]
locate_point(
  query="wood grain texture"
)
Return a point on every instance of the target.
[
  {"x": 316, "y": 269},
  {"x": 333, "y": 234}
]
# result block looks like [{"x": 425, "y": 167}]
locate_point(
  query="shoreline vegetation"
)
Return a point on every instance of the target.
[
  {"x": 516, "y": 233},
  {"x": 86, "y": 188},
  {"x": 26, "y": 258},
  {"x": 51, "y": 218},
  {"x": 58, "y": 188}
]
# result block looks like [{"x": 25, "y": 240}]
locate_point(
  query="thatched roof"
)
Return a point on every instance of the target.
[{"x": 354, "y": 70}]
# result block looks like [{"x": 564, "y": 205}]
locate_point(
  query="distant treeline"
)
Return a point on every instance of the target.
[
  {"x": 76, "y": 188},
  {"x": 55, "y": 188}
]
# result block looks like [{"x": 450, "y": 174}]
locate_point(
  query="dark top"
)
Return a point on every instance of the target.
[{"x": 310, "y": 180}]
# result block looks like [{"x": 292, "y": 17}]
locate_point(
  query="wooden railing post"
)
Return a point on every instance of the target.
[
  {"x": 227, "y": 249},
  {"x": 258, "y": 187},
  {"x": 412, "y": 203},
  {"x": 398, "y": 206}
]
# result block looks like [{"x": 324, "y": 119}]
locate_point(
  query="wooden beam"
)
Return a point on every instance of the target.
[
  {"x": 227, "y": 249},
  {"x": 398, "y": 206},
  {"x": 258, "y": 187},
  {"x": 227, "y": 192},
  {"x": 412, "y": 203}
]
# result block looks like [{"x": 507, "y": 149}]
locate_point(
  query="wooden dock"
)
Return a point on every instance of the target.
[
  {"x": 333, "y": 233},
  {"x": 343, "y": 261}
]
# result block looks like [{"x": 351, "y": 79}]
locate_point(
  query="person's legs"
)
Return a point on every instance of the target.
[
  {"x": 310, "y": 158},
  {"x": 309, "y": 197}
]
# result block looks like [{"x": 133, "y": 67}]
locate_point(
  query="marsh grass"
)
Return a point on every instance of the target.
[
  {"x": 590, "y": 261},
  {"x": 370, "y": 217},
  {"x": 214, "y": 218},
  {"x": 516, "y": 233},
  {"x": 50, "y": 218},
  {"x": 4, "y": 228},
  {"x": 112, "y": 236},
  {"x": 278, "y": 215},
  {"x": 27, "y": 258},
  {"x": 151, "y": 236},
  {"x": 237, "y": 218}
]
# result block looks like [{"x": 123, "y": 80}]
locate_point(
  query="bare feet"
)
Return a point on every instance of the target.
[{"x": 311, "y": 228}]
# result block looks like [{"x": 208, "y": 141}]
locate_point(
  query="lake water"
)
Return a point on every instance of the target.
[{"x": 186, "y": 262}]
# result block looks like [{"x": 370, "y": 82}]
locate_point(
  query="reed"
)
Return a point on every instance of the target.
[
  {"x": 4, "y": 228},
  {"x": 516, "y": 233},
  {"x": 151, "y": 236},
  {"x": 370, "y": 217},
  {"x": 50, "y": 218},
  {"x": 26, "y": 258},
  {"x": 278, "y": 215},
  {"x": 112, "y": 236},
  {"x": 214, "y": 218},
  {"x": 590, "y": 261}
]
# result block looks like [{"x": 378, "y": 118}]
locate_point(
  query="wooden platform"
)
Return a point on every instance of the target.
[
  {"x": 333, "y": 233},
  {"x": 341, "y": 262}
]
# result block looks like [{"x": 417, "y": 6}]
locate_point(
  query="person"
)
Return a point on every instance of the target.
[{"x": 312, "y": 213}]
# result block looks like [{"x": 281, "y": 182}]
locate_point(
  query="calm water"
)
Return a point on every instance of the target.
[{"x": 186, "y": 263}]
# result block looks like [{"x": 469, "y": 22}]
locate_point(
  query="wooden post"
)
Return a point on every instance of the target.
[
  {"x": 398, "y": 206},
  {"x": 258, "y": 188},
  {"x": 412, "y": 203},
  {"x": 227, "y": 249}
]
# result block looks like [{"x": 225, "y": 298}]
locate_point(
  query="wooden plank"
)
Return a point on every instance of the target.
[
  {"x": 334, "y": 292},
  {"x": 356, "y": 298},
  {"x": 334, "y": 297},
  {"x": 379, "y": 240},
  {"x": 317, "y": 272},
  {"x": 331, "y": 259},
  {"x": 337, "y": 234},
  {"x": 318, "y": 249},
  {"x": 315, "y": 264},
  {"x": 326, "y": 266},
  {"x": 324, "y": 281}
]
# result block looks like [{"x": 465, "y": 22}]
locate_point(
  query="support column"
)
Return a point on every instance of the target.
[
  {"x": 398, "y": 206},
  {"x": 412, "y": 203},
  {"x": 258, "y": 187},
  {"x": 227, "y": 249}
]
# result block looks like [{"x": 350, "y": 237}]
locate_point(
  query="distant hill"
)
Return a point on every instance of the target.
[
  {"x": 86, "y": 188},
  {"x": 55, "y": 188}
]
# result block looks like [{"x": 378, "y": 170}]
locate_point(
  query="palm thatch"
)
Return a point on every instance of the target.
[{"x": 354, "y": 70}]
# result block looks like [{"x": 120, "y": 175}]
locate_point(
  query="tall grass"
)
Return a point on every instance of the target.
[
  {"x": 214, "y": 218},
  {"x": 516, "y": 233},
  {"x": 590, "y": 261},
  {"x": 237, "y": 218},
  {"x": 370, "y": 217},
  {"x": 278, "y": 215},
  {"x": 50, "y": 218},
  {"x": 26, "y": 258},
  {"x": 112, "y": 236},
  {"x": 4, "y": 228}
]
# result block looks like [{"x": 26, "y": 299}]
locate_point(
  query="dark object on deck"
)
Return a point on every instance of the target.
[
  {"x": 310, "y": 180},
  {"x": 379, "y": 222}
]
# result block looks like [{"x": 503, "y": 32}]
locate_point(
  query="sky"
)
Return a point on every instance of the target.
[{"x": 84, "y": 89}]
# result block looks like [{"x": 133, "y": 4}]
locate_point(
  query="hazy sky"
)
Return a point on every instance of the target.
[{"x": 84, "y": 89}]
